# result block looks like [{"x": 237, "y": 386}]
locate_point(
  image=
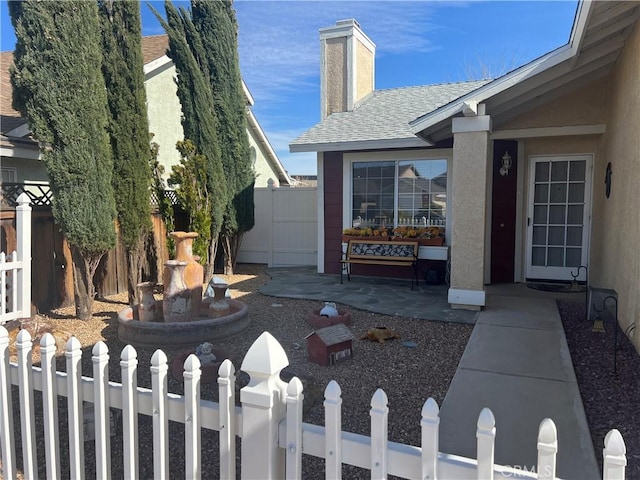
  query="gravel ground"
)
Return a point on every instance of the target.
[
  {"x": 610, "y": 399},
  {"x": 407, "y": 375}
]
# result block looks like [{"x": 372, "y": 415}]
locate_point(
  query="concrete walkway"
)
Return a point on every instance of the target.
[{"x": 517, "y": 363}]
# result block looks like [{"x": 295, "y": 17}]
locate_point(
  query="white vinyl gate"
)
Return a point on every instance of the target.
[{"x": 286, "y": 228}]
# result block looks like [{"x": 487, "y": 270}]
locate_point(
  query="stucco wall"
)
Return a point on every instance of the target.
[
  {"x": 27, "y": 170},
  {"x": 615, "y": 256},
  {"x": 335, "y": 75},
  {"x": 164, "y": 111},
  {"x": 261, "y": 166},
  {"x": 584, "y": 106},
  {"x": 364, "y": 71}
]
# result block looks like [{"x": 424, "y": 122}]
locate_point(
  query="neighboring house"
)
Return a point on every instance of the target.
[
  {"x": 20, "y": 154},
  {"x": 165, "y": 112},
  {"x": 515, "y": 167}
]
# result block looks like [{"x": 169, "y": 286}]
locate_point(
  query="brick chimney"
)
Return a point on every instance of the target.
[{"x": 347, "y": 61}]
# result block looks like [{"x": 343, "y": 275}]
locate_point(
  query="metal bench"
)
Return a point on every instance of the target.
[{"x": 380, "y": 252}]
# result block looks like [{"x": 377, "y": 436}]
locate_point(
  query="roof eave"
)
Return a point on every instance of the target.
[{"x": 396, "y": 143}]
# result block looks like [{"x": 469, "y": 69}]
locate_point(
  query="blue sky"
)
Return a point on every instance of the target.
[{"x": 417, "y": 43}]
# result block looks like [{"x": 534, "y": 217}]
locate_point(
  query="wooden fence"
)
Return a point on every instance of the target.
[
  {"x": 269, "y": 421},
  {"x": 15, "y": 268}
]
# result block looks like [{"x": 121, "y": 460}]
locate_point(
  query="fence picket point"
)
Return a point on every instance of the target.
[
  {"x": 129, "y": 369},
  {"x": 160, "y": 420},
  {"x": 293, "y": 453},
  {"x": 75, "y": 414},
  {"x": 430, "y": 439},
  {"x": 486, "y": 435},
  {"x": 547, "y": 449},
  {"x": 379, "y": 434},
  {"x": 192, "y": 438},
  {"x": 614, "y": 456},
  {"x": 227, "y": 424},
  {"x": 7, "y": 451},
  {"x": 27, "y": 412},
  {"x": 50, "y": 405}
]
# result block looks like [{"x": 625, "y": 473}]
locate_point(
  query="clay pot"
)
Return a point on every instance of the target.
[
  {"x": 177, "y": 300},
  {"x": 194, "y": 272},
  {"x": 146, "y": 302}
]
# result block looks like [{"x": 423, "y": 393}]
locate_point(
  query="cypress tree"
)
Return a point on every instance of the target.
[
  {"x": 123, "y": 70},
  {"x": 199, "y": 119},
  {"x": 217, "y": 26},
  {"x": 58, "y": 86}
]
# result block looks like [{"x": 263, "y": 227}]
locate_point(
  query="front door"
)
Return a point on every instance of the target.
[{"x": 559, "y": 216}]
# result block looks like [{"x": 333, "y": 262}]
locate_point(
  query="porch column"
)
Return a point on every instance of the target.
[{"x": 469, "y": 208}]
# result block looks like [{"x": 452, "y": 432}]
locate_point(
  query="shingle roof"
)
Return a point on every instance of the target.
[
  {"x": 154, "y": 47},
  {"x": 383, "y": 116}
]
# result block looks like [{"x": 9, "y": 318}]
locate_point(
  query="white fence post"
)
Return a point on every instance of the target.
[
  {"x": 50, "y": 405},
  {"x": 100, "y": 359},
  {"x": 6, "y": 410},
  {"x": 263, "y": 407},
  {"x": 271, "y": 189},
  {"x": 486, "y": 436},
  {"x": 430, "y": 439},
  {"x": 227, "y": 399},
  {"x": 129, "y": 369},
  {"x": 615, "y": 456},
  {"x": 73, "y": 355},
  {"x": 159, "y": 387},
  {"x": 379, "y": 434},
  {"x": 23, "y": 240},
  {"x": 192, "y": 439},
  {"x": 333, "y": 430},
  {"x": 295, "y": 400},
  {"x": 547, "y": 449},
  {"x": 27, "y": 411}
]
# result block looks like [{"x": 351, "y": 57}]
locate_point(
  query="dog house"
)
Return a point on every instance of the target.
[{"x": 330, "y": 345}]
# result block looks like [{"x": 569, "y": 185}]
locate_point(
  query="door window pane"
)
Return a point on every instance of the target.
[
  {"x": 539, "y": 235},
  {"x": 576, "y": 192},
  {"x": 556, "y": 235},
  {"x": 577, "y": 171},
  {"x": 537, "y": 256},
  {"x": 542, "y": 171},
  {"x": 555, "y": 257},
  {"x": 541, "y": 194},
  {"x": 558, "y": 193},
  {"x": 574, "y": 257},
  {"x": 574, "y": 215},
  {"x": 556, "y": 214},
  {"x": 559, "y": 171},
  {"x": 574, "y": 236},
  {"x": 540, "y": 214}
]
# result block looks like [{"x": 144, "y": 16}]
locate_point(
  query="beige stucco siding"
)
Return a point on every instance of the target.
[
  {"x": 27, "y": 170},
  {"x": 261, "y": 166},
  {"x": 615, "y": 255},
  {"x": 364, "y": 71},
  {"x": 336, "y": 75},
  {"x": 164, "y": 111}
]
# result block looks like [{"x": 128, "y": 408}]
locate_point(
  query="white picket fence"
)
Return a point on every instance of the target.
[
  {"x": 15, "y": 268},
  {"x": 269, "y": 421}
]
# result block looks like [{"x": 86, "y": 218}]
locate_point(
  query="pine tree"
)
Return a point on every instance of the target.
[
  {"x": 216, "y": 23},
  {"x": 199, "y": 120},
  {"x": 123, "y": 70},
  {"x": 58, "y": 86}
]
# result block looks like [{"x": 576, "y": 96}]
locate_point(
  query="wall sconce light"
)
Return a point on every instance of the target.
[{"x": 506, "y": 164}]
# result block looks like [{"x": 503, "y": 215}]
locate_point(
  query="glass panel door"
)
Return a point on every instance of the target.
[{"x": 558, "y": 221}]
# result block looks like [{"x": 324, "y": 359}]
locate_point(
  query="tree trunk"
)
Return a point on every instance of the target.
[
  {"x": 84, "y": 269},
  {"x": 210, "y": 265},
  {"x": 227, "y": 245},
  {"x": 135, "y": 259}
]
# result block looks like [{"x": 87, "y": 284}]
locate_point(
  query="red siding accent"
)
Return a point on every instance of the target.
[{"x": 332, "y": 211}]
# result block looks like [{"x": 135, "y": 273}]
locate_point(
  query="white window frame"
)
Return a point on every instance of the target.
[
  {"x": 10, "y": 172},
  {"x": 394, "y": 156}
]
